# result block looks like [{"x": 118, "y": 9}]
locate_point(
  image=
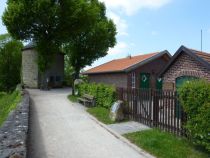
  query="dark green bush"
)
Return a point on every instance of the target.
[
  {"x": 105, "y": 94},
  {"x": 10, "y": 63},
  {"x": 195, "y": 99},
  {"x": 2, "y": 94}
]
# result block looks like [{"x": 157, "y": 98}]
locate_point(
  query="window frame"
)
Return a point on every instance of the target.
[{"x": 133, "y": 80}]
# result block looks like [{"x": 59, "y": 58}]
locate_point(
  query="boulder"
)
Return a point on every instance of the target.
[{"x": 116, "y": 112}]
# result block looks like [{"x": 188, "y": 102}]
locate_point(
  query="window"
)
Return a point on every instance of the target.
[
  {"x": 58, "y": 78},
  {"x": 51, "y": 78},
  {"x": 133, "y": 80}
]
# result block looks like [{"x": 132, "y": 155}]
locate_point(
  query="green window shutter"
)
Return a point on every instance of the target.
[
  {"x": 159, "y": 83},
  {"x": 144, "y": 80}
]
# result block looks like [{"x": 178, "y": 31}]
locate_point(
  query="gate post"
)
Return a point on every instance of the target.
[
  {"x": 155, "y": 107},
  {"x": 135, "y": 104}
]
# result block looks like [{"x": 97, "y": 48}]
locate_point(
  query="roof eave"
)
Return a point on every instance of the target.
[{"x": 104, "y": 72}]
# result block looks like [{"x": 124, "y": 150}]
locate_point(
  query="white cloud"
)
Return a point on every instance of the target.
[
  {"x": 121, "y": 24},
  {"x": 130, "y": 7},
  {"x": 116, "y": 8},
  {"x": 121, "y": 47}
]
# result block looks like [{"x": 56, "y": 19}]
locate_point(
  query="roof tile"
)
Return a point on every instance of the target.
[
  {"x": 120, "y": 64},
  {"x": 205, "y": 56}
]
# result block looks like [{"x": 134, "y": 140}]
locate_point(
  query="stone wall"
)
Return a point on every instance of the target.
[
  {"x": 30, "y": 68},
  {"x": 184, "y": 65},
  {"x": 14, "y": 131},
  {"x": 116, "y": 79}
]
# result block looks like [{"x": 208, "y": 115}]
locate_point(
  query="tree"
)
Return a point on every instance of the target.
[
  {"x": 92, "y": 43},
  {"x": 60, "y": 25},
  {"x": 10, "y": 61},
  {"x": 69, "y": 71},
  {"x": 49, "y": 23}
]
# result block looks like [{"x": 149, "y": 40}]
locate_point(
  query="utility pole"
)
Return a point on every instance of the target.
[{"x": 201, "y": 40}]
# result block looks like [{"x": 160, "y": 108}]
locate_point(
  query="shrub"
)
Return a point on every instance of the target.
[
  {"x": 2, "y": 94},
  {"x": 105, "y": 94},
  {"x": 10, "y": 63},
  {"x": 195, "y": 99},
  {"x": 8, "y": 102}
]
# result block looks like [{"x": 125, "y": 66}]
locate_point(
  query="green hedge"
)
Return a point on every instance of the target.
[
  {"x": 105, "y": 94},
  {"x": 195, "y": 99}
]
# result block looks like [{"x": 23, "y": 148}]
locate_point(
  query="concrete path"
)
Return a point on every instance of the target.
[
  {"x": 59, "y": 129},
  {"x": 128, "y": 127}
]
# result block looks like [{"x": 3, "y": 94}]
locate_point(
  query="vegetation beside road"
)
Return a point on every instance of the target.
[
  {"x": 101, "y": 113},
  {"x": 164, "y": 145},
  {"x": 105, "y": 95},
  {"x": 195, "y": 99},
  {"x": 8, "y": 102},
  {"x": 73, "y": 98},
  {"x": 10, "y": 62}
]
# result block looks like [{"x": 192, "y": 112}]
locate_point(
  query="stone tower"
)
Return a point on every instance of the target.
[{"x": 30, "y": 72}]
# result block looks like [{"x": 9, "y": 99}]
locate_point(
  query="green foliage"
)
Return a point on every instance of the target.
[
  {"x": 101, "y": 113},
  {"x": 92, "y": 43},
  {"x": 10, "y": 62},
  {"x": 69, "y": 71},
  {"x": 195, "y": 99},
  {"x": 164, "y": 145},
  {"x": 55, "y": 24},
  {"x": 8, "y": 102},
  {"x": 73, "y": 98},
  {"x": 2, "y": 94},
  {"x": 105, "y": 94}
]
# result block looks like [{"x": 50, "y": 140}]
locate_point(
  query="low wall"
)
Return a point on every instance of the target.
[{"x": 14, "y": 131}]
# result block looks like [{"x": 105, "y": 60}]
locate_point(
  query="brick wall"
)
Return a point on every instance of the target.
[
  {"x": 184, "y": 65},
  {"x": 30, "y": 68},
  {"x": 116, "y": 79}
]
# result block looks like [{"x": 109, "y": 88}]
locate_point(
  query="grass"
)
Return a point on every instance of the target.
[
  {"x": 102, "y": 114},
  {"x": 73, "y": 98},
  {"x": 164, "y": 145},
  {"x": 8, "y": 102}
]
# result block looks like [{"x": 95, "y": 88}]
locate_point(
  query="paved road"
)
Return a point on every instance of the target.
[{"x": 59, "y": 129}]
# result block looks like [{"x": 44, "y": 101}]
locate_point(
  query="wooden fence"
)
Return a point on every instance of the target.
[{"x": 155, "y": 108}]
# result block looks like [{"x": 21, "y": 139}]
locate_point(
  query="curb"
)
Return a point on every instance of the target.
[{"x": 121, "y": 138}]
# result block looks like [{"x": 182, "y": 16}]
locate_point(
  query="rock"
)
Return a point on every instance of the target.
[
  {"x": 16, "y": 156},
  {"x": 116, "y": 112}
]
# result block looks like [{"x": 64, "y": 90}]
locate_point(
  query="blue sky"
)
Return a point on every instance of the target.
[{"x": 146, "y": 26}]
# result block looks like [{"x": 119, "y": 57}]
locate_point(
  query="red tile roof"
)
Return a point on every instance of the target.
[
  {"x": 120, "y": 64},
  {"x": 205, "y": 56}
]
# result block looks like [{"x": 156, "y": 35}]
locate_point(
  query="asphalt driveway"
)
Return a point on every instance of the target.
[{"x": 59, "y": 129}]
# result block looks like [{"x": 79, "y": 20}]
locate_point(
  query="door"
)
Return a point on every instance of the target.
[
  {"x": 144, "y": 80},
  {"x": 179, "y": 82}
]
